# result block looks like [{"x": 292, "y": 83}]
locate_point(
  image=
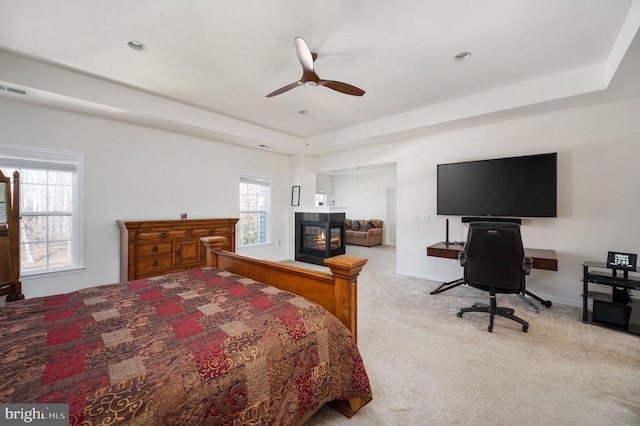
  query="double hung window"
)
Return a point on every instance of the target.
[
  {"x": 255, "y": 194},
  {"x": 49, "y": 198}
]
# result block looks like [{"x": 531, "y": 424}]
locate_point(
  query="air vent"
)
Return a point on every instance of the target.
[{"x": 13, "y": 90}]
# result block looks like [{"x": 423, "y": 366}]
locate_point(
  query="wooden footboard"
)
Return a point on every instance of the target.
[{"x": 337, "y": 292}]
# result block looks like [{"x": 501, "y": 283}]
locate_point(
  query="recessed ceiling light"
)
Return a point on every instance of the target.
[
  {"x": 462, "y": 56},
  {"x": 136, "y": 45}
]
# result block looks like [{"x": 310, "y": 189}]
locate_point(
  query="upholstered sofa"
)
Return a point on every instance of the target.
[{"x": 363, "y": 232}]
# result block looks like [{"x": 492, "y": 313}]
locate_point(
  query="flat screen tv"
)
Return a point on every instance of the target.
[{"x": 524, "y": 186}]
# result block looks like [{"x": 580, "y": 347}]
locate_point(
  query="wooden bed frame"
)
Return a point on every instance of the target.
[{"x": 337, "y": 292}]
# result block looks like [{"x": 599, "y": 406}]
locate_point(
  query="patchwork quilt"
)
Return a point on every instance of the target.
[{"x": 197, "y": 347}]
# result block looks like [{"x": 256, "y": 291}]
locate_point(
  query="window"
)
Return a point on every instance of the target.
[
  {"x": 321, "y": 198},
  {"x": 255, "y": 197},
  {"x": 49, "y": 199}
]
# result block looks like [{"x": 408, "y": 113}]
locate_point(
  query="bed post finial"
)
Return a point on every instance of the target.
[
  {"x": 346, "y": 269},
  {"x": 212, "y": 244}
]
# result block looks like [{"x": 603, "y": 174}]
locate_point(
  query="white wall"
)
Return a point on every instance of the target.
[
  {"x": 303, "y": 174},
  {"x": 364, "y": 194},
  {"x": 133, "y": 172},
  {"x": 324, "y": 183},
  {"x": 136, "y": 173},
  {"x": 598, "y": 173}
]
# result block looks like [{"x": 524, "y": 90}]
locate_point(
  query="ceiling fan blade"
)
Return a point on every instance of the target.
[
  {"x": 341, "y": 87},
  {"x": 283, "y": 89},
  {"x": 304, "y": 55}
]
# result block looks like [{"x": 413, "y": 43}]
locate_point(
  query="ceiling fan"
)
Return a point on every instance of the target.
[{"x": 309, "y": 76}]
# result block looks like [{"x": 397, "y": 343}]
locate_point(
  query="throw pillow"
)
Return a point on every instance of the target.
[
  {"x": 347, "y": 224},
  {"x": 355, "y": 226},
  {"x": 367, "y": 225}
]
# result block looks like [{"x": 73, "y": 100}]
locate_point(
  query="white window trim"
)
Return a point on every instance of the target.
[
  {"x": 31, "y": 157},
  {"x": 257, "y": 180}
]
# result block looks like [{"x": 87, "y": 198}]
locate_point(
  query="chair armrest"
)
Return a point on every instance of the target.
[
  {"x": 528, "y": 264},
  {"x": 462, "y": 257}
]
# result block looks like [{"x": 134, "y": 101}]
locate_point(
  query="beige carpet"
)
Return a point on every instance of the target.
[{"x": 429, "y": 367}]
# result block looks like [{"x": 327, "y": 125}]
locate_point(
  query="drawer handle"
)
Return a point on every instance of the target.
[
  {"x": 212, "y": 232},
  {"x": 155, "y": 263},
  {"x": 154, "y": 249},
  {"x": 164, "y": 235}
]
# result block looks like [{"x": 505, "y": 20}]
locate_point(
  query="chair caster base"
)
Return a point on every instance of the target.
[{"x": 498, "y": 311}]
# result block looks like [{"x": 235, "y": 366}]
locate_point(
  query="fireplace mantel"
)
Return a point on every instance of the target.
[{"x": 320, "y": 209}]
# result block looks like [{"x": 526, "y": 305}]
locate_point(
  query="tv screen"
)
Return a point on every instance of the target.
[{"x": 523, "y": 186}]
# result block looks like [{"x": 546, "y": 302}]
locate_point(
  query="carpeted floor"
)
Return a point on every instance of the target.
[{"x": 429, "y": 367}]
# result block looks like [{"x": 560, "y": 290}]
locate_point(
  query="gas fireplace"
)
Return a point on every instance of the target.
[{"x": 319, "y": 235}]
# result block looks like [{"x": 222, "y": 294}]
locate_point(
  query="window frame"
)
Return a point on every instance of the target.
[
  {"x": 321, "y": 196},
  {"x": 255, "y": 180},
  {"x": 14, "y": 157}
]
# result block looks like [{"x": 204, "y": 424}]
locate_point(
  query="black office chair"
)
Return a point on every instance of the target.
[{"x": 494, "y": 261}]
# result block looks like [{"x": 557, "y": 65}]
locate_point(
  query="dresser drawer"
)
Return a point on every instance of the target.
[
  {"x": 157, "y": 249},
  {"x": 218, "y": 231},
  {"x": 157, "y": 234},
  {"x": 151, "y": 265}
]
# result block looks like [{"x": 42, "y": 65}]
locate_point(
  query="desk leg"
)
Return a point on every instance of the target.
[{"x": 448, "y": 286}]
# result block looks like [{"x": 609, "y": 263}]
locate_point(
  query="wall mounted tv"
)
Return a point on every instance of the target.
[{"x": 524, "y": 186}]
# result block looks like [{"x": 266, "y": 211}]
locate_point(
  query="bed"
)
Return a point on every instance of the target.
[{"x": 242, "y": 341}]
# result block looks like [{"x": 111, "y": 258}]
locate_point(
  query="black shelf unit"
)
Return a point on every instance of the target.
[{"x": 614, "y": 308}]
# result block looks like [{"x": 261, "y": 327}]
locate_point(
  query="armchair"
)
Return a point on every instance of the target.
[{"x": 494, "y": 261}]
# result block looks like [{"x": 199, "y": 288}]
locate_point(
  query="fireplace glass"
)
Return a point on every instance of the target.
[
  {"x": 315, "y": 238},
  {"x": 335, "y": 241}
]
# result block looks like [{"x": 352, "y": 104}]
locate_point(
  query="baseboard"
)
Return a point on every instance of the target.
[
  {"x": 412, "y": 274},
  {"x": 559, "y": 300}
]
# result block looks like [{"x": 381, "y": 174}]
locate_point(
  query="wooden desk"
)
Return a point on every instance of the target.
[{"x": 542, "y": 259}]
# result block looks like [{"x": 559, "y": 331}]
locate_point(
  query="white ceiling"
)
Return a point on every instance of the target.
[{"x": 209, "y": 64}]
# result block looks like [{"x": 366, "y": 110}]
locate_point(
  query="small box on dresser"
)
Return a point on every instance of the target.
[{"x": 157, "y": 247}]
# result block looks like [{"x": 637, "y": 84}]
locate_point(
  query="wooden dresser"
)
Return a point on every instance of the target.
[{"x": 158, "y": 247}]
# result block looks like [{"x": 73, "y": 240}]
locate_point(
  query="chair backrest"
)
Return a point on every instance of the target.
[{"x": 494, "y": 256}]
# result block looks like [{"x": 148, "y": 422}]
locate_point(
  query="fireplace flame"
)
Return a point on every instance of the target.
[{"x": 318, "y": 241}]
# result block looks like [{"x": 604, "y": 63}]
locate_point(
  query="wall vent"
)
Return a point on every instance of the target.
[{"x": 13, "y": 90}]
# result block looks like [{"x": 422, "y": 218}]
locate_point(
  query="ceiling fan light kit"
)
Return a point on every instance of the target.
[{"x": 309, "y": 76}]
